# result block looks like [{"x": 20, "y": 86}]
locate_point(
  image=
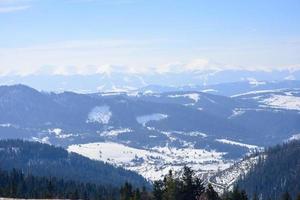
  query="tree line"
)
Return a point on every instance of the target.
[
  {"x": 277, "y": 172},
  {"x": 15, "y": 184},
  {"x": 187, "y": 186}
]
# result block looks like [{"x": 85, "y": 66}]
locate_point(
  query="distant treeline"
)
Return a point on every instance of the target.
[
  {"x": 45, "y": 160},
  {"x": 189, "y": 187},
  {"x": 49, "y": 172},
  {"x": 15, "y": 184},
  {"x": 277, "y": 172}
]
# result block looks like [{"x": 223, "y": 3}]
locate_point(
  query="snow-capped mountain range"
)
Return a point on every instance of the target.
[
  {"x": 123, "y": 81},
  {"x": 151, "y": 132}
]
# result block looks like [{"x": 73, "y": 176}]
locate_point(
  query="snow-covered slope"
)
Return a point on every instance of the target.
[
  {"x": 150, "y": 132},
  {"x": 224, "y": 180},
  {"x": 153, "y": 163}
]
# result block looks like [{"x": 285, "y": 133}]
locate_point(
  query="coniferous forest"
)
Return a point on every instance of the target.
[
  {"x": 275, "y": 177},
  {"x": 15, "y": 184},
  {"x": 277, "y": 172}
]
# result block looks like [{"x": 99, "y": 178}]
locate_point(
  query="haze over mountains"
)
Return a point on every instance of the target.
[{"x": 124, "y": 80}]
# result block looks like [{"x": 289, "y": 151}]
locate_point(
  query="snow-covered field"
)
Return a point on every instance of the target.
[
  {"x": 224, "y": 180},
  {"x": 193, "y": 96},
  {"x": 99, "y": 114},
  {"x": 144, "y": 119},
  {"x": 153, "y": 163},
  {"x": 250, "y": 147},
  {"x": 294, "y": 137},
  {"x": 283, "y": 102}
]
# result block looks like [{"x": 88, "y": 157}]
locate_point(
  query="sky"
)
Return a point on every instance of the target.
[{"x": 141, "y": 36}]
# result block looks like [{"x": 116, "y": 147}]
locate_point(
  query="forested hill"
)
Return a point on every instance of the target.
[
  {"x": 275, "y": 174},
  {"x": 45, "y": 160}
]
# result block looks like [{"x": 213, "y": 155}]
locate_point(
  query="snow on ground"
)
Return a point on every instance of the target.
[
  {"x": 236, "y": 112},
  {"x": 254, "y": 82},
  {"x": 7, "y": 125},
  {"x": 99, "y": 114},
  {"x": 283, "y": 102},
  {"x": 41, "y": 140},
  {"x": 224, "y": 180},
  {"x": 294, "y": 137},
  {"x": 144, "y": 119},
  {"x": 255, "y": 92},
  {"x": 193, "y": 96},
  {"x": 231, "y": 142},
  {"x": 192, "y": 133},
  {"x": 59, "y": 133},
  {"x": 116, "y": 132},
  {"x": 152, "y": 163},
  {"x": 209, "y": 90}
]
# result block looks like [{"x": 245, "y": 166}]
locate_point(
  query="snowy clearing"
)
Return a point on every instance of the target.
[
  {"x": 153, "y": 117},
  {"x": 193, "y": 96},
  {"x": 231, "y": 142},
  {"x": 283, "y": 102},
  {"x": 152, "y": 163},
  {"x": 99, "y": 114}
]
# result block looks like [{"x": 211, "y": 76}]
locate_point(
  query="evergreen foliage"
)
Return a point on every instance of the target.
[
  {"x": 15, "y": 184},
  {"x": 187, "y": 186},
  {"x": 277, "y": 172},
  {"x": 46, "y": 160}
]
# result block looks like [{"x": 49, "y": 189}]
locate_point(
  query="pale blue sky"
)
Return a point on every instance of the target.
[{"x": 58, "y": 36}]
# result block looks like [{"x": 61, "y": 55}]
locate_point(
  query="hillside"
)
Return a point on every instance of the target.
[
  {"x": 45, "y": 160},
  {"x": 275, "y": 173},
  {"x": 154, "y": 132}
]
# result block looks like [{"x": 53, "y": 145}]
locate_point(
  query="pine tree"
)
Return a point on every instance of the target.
[
  {"x": 211, "y": 193},
  {"x": 158, "y": 190},
  {"x": 286, "y": 196},
  {"x": 188, "y": 188},
  {"x": 126, "y": 192},
  {"x": 137, "y": 194},
  {"x": 145, "y": 195},
  {"x": 244, "y": 195},
  {"x": 236, "y": 195},
  {"x": 255, "y": 196},
  {"x": 170, "y": 192}
]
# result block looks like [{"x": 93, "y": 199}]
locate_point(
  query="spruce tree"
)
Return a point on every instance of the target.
[
  {"x": 187, "y": 190},
  {"x": 137, "y": 194},
  {"x": 170, "y": 192},
  {"x": 286, "y": 196},
  {"x": 158, "y": 190},
  {"x": 211, "y": 193},
  {"x": 255, "y": 196}
]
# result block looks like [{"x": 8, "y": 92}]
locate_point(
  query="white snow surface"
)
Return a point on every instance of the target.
[
  {"x": 231, "y": 142},
  {"x": 255, "y": 92},
  {"x": 41, "y": 140},
  {"x": 115, "y": 132},
  {"x": 99, "y": 114},
  {"x": 209, "y": 90},
  {"x": 153, "y": 163},
  {"x": 144, "y": 119},
  {"x": 59, "y": 133},
  {"x": 294, "y": 137},
  {"x": 225, "y": 180},
  {"x": 236, "y": 112},
  {"x": 7, "y": 125},
  {"x": 254, "y": 82},
  {"x": 193, "y": 96},
  {"x": 283, "y": 102}
]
